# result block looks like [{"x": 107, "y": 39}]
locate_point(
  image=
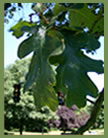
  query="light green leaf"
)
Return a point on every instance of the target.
[{"x": 16, "y": 29}]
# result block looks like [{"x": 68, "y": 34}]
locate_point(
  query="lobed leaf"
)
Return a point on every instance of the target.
[
  {"x": 41, "y": 73},
  {"x": 73, "y": 66}
]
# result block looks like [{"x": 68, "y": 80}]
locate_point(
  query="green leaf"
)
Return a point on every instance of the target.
[
  {"x": 33, "y": 72},
  {"x": 76, "y": 5},
  {"x": 16, "y": 29},
  {"x": 86, "y": 41},
  {"x": 44, "y": 92},
  {"x": 41, "y": 73},
  {"x": 58, "y": 9},
  {"x": 83, "y": 17},
  {"x": 43, "y": 77},
  {"x": 99, "y": 26},
  {"x": 72, "y": 78},
  {"x": 28, "y": 45}
]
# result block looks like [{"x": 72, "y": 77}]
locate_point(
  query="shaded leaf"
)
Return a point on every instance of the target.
[
  {"x": 99, "y": 26},
  {"x": 74, "y": 5},
  {"x": 73, "y": 66},
  {"x": 58, "y": 9}
]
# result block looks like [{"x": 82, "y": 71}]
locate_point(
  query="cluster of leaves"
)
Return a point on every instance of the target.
[
  {"x": 69, "y": 118},
  {"x": 38, "y": 121},
  {"x": 13, "y": 75},
  {"x": 27, "y": 116},
  {"x": 58, "y": 39},
  {"x": 23, "y": 113}
]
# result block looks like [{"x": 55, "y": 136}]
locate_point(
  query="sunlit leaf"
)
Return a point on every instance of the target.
[{"x": 16, "y": 29}]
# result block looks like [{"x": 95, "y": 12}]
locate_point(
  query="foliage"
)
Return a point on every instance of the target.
[
  {"x": 59, "y": 36},
  {"x": 69, "y": 118},
  {"x": 14, "y": 74},
  {"x": 23, "y": 113},
  {"x": 38, "y": 121}
]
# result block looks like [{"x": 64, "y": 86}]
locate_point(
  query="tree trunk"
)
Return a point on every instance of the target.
[{"x": 21, "y": 127}]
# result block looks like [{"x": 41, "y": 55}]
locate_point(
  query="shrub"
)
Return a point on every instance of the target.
[{"x": 69, "y": 118}]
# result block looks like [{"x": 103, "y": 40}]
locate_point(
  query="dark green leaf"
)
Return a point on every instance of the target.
[
  {"x": 99, "y": 26},
  {"x": 27, "y": 46},
  {"x": 74, "y": 5},
  {"x": 73, "y": 66},
  {"x": 58, "y": 9},
  {"x": 83, "y": 17}
]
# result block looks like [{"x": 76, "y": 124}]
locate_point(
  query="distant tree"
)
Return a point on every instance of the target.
[{"x": 23, "y": 115}]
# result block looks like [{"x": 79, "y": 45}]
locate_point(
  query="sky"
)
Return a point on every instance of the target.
[
  {"x": 11, "y": 45},
  {"x": 10, "y": 42}
]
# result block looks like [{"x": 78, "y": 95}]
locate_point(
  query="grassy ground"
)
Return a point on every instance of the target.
[{"x": 92, "y": 132}]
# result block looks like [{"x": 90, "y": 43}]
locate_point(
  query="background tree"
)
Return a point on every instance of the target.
[{"x": 23, "y": 115}]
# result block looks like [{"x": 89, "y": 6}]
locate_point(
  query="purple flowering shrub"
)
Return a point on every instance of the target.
[{"x": 69, "y": 118}]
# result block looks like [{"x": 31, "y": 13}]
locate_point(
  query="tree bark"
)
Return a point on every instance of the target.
[{"x": 94, "y": 114}]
